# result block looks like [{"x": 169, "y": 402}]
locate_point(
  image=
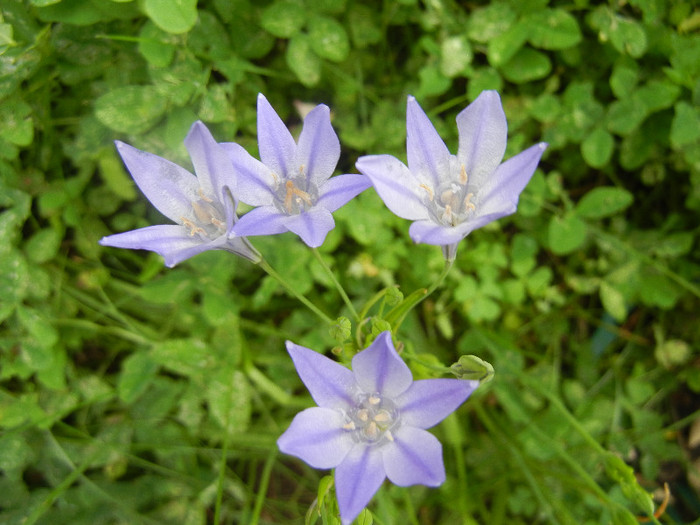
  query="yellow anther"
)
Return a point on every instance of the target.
[
  {"x": 428, "y": 189},
  {"x": 382, "y": 416},
  {"x": 448, "y": 212},
  {"x": 192, "y": 226},
  {"x": 350, "y": 425},
  {"x": 292, "y": 191},
  {"x": 374, "y": 400},
  {"x": 216, "y": 222},
  {"x": 468, "y": 204},
  {"x": 202, "y": 196},
  {"x": 463, "y": 175},
  {"x": 371, "y": 430},
  {"x": 363, "y": 415},
  {"x": 388, "y": 435}
]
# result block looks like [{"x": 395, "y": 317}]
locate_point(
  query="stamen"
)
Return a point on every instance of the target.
[
  {"x": 363, "y": 415},
  {"x": 463, "y": 175},
  {"x": 350, "y": 425},
  {"x": 372, "y": 431},
  {"x": 292, "y": 190},
  {"x": 192, "y": 226},
  {"x": 382, "y": 416},
  {"x": 448, "y": 213},
  {"x": 388, "y": 435},
  {"x": 217, "y": 223},
  {"x": 447, "y": 196},
  {"x": 202, "y": 196},
  {"x": 431, "y": 195},
  {"x": 468, "y": 204},
  {"x": 374, "y": 400}
]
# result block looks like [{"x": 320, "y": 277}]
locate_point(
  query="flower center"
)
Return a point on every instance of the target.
[
  {"x": 209, "y": 220},
  {"x": 372, "y": 419},
  {"x": 296, "y": 195},
  {"x": 451, "y": 203}
]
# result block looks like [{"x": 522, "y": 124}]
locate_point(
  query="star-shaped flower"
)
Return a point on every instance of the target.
[
  {"x": 291, "y": 187},
  {"x": 448, "y": 195},
  {"x": 202, "y": 206},
  {"x": 370, "y": 422}
]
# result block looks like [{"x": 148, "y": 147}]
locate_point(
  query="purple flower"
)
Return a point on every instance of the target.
[
  {"x": 202, "y": 206},
  {"x": 447, "y": 195},
  {"x": 292, "y": 186},
  {"x": 369, "y": 423}
]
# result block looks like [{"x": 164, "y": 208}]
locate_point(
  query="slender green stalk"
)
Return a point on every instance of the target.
[
  {"x": 311, "y": 306},
  {"x": 271, "y": 388},
  {"x": 264, "y": 483},
  {"x": 338, "y": 286}
]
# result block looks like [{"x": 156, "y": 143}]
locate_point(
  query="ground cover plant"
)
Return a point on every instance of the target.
[{"x": 417, "y": 322}]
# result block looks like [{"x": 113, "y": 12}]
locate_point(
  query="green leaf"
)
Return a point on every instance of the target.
[
  {"x": 43, "y": 245},
  {"x": 137, "y": 373},
  {"x": 364, "y": 28},
  {"x": 553, "y": 29},
  {"x": 685, "y": 127},
  {"x": 455, "y": 56},
  {"x": 603, "y": 202},
  {"x": 624, "y": 77},
  {"x": 502, "y": 48},
  {"x": 173, "y": 16},
  {"x": 624, "y": 116},
  {"x": 613, "y": 301},
  {"x": 527, "y": 65},
  {"x": 597, "y": 148},
  {"x": 228, "y": 395},
  {"x": 628, "y": 36},
  {"x": 130, "y": 109},
  {"x": 566, "y": 234},
  {"x": 328, "y": 38},
  {"x": 188, "y": 357},
  {"x": 305, "y": 64},
  {"x": 486, "y": 23},
  {"x": 155, "y": 45},
  {"x": 284, "y": 19}
]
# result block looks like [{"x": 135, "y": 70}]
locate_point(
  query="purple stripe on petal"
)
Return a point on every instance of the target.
[
  {"x": 275, "y": 142},
  {"x": 211, "y": 164},
  {"x": 339, "y": 190},
  {"x": 415, "y": 457},
  {"x": 483, "y": 133},
  {"x": 380, "y": 369},
  {"x": 318, "y": 150},
  {"x": 171, "y": 241},
  {"x": 511, "y": 177},
  {"x": 312, "y": 226},
  {"x": 330, "y": 384},
  {"x": 429, "y": 401},
  {"x": 254, "y": 181},
  {"x": 265, "y": 220},
  {"x": 317, "y": 437},
  {"x": 399, "y": 188},
  {"x": 169, "y": 187},
  {"x": 357, "y": 479},
  {"x": 427, "y": 153}
]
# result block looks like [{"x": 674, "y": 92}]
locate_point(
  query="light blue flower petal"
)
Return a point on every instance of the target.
[
  {"x": 169, "y": 187},
  {"x": 339, "y": 190},
  {"x": 317, "y": 437},
  {"x": 483, "y": 133},
  {"x": 429, "y": 401},
  {"x": 396, "y": 186},
  {"x": 318, "y": 149},
  {"x": 429, "y": 232},
  {"x": 502, "y": 190},
  {"x": 329, "y": 383},
  {"x": 379, "y": 368},
  {"x": 211, "y": 164},
  {"x": 312, "y": 225},
  {"x": 266, "y": 220},
  {"x": 415, "y": 457},
  {"x": 275, "y": 142},
  {"x": 427, "y": 154},
  {"x": 254, "y": 180},
  {"x": 171, "y": 241},
  {"x": 357, "y": 479}
]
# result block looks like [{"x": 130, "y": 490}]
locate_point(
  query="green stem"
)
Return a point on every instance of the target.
[
  {"x": 311, "y": 306},
  {"x": 264, "y": 485},
  {"x": 338, "y": 286},
  {"x": 433, "y": 287}
]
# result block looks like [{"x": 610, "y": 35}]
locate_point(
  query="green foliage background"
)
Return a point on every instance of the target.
[{"x": 130, "y": 393}]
